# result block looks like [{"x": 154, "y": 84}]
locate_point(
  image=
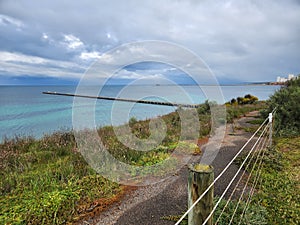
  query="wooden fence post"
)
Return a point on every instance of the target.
[{"x": 199, "y": 179}]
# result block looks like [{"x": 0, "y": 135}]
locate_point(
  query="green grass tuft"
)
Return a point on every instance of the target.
[{"x": 254, "y": 214}]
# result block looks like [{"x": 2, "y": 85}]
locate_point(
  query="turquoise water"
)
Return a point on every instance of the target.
[{"x": 25, "y": 111}]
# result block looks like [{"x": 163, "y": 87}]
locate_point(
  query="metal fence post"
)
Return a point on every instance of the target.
[
  {"x": 270, "y": 128},
  {"x": 199, "y": 179}
]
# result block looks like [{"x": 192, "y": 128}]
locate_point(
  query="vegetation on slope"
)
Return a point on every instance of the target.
[
  {"x": 247, "y": 99},
  {"x": 279, "y": 191},
  {"x": 235, "y": 111},
  {"x": 47, "y": 182},
  {"x": 286, "y": 100}
]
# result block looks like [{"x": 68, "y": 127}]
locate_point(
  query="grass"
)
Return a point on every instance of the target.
[
  {"x": 279, "y": 187},
  {"x": 254, "y": 215},
  {"x": 237, "y": 111},
  {"x": 173, "y": 137},
  {"x": 256, "y": 121},
  {"x": 47, "y": 182},
  {"x": 279, "y": 191}
]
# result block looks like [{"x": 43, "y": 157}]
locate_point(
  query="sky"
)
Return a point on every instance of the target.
[{"x": 55, "y": 42}]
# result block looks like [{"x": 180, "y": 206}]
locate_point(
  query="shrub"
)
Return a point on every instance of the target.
[
  {"x": 233, "y": 101},
  {"x": 247, "y": 99},
  {"x": 132, "y": 121},
  {"x": 204, "y": 108},
  {"x": 287, "y": 115}
]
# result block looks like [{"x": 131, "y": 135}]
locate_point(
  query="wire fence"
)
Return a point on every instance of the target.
[{"x": 247, "y": 176}]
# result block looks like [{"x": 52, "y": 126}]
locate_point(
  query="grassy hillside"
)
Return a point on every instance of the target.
[{"x": 47, "y": 182}]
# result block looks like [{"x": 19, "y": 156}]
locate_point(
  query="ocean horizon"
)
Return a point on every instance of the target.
[{"x": 25, "y": 111}]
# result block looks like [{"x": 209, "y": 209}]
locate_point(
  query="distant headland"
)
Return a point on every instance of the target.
[{"x": 283, "y": 80}]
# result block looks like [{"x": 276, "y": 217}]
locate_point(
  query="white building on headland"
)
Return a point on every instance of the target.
[
  {"x": 283, "y": 79},
  {"x": 291, "y": 76}
]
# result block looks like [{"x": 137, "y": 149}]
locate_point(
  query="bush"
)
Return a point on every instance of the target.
[
  {"x": 204, "y": 108},
  {"x": 287, "y": 115},
  {"x": 132, "y": 121},
  {"x": 247, "y": 99}
]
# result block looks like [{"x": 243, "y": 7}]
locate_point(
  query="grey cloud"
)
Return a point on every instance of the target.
[{"x": 240, "y": 39}]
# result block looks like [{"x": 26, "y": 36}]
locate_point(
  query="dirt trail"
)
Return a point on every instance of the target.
[{"x": 147, "y": 205}]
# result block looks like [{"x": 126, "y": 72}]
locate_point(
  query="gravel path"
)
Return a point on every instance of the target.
[{"x": 147, "y": 205}]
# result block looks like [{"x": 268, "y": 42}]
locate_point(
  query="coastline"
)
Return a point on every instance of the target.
[{"x": 26, "y": 111}]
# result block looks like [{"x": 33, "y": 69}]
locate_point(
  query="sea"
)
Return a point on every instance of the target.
[{"x": 26, "y": 111}]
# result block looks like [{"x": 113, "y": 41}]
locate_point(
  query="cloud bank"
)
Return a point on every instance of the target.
[{"x": 241, "y": 40}]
